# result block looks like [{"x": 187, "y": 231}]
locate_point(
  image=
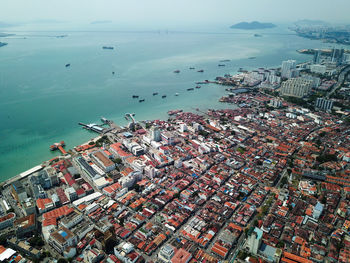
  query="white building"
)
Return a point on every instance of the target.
[
  {"x": 324, "y": 104},
  {"x": 288, "y": 69},
  {"x": 254, "y": 240},
  {"x": 296, "y": 87},
  {"x": 320, "y": 69}
]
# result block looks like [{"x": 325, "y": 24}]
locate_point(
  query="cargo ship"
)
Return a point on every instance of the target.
[
  {"x": 105, "y": 47},
  {"x": 135, "y": 96},
  {"x": 221, "y": 65}
]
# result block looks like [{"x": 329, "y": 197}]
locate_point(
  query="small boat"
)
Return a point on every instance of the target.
[
  {"x": 107, "y": 47},
  {"x": 191, "y": 67},
  {"x": 201, "y": 70},
  {"x": 164, "y": 96},
  {"x": 257, "y": 35},
  {"x": 142, "y": 100},
  {"x": 135, "y": 96},
  {"x": 155, "y": 93},
  {"x": 177, "y": 71},
  {"x": 190, "y": 89},
  {"x": 252, "y": 58},
  {"x": 67, "y": 65},
  {"x": 113, "y": 72},
  {"x": 176, "y": 94},
  {"x": 221, "y": 65},
  {"x": 198, "y": 87}
]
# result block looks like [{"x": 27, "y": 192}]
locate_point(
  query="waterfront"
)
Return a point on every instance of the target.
[{"x": 42, "y": 101}]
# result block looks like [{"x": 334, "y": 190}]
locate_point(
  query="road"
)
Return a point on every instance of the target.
[{"x": 341, "y": 79}]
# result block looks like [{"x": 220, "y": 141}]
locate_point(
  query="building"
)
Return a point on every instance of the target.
[
  {"x": 7, "y": 220},
  {"x": 93, "y": 256},
  {"x": 324, "y": 104},
  {"x": 317, "y": 57},
  {"x": 276, "y": 103},
  {"x": 71, "y": 193},
  {"x": 288, "y": 69},
  {"x": 62, "y": 239},
  {"x": 296, "y": 87},
  {"x": 18, "y": 191},
  {"x": 319, "y": 69},
  {"x": 103, "y": 161},
  {"x": 254, "y": 240},
  {"x": 166, "y": 253},
  {"x": 317, "y": 210},
  {"x": 23, "y": 248},
  {"x": 181, "y": 256},
  {"x": 155, "y": 134},
  {"x": 25, "y": 225},
  {"x": 72, "y": 219},
  {"x": 28, "y": 206}
]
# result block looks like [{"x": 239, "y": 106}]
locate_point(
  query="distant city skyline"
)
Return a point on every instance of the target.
[{"x": 169, "y": 13}]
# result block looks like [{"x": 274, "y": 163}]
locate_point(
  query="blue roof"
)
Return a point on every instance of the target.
[{"x": 63, "y": 234}]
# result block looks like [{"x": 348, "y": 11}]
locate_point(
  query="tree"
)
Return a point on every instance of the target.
[
  {"x": 62, "y": 260},
  {"x": 118, "y": 160}
]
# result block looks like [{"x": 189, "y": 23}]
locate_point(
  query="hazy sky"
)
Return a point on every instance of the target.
[{"x": 174, "y": 12}]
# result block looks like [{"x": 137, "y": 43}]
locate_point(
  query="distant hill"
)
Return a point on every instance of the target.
[
  {"x": 308, "y": 22},
  {"x": 100, "y": 22},
  {"x": 252, "y": 25}
]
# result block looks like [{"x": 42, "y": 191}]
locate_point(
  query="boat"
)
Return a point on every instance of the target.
[
  {"x": 176, "y": 94},
  {"x": 198, "y": 87},
  {"x": 105, "y": 47},
  {"x": 225, "y": 60},
  {"x": 164, "y": 96},
  {"x": 142, "y": 100},
  {"x": 191, "y": 67},
  {"x": 67, "y": 65},
  {"x": 155, "y": 93},
  {"x": 113, "y": 72},
  {"x": 177, "y": 71},
  {"x": 257, "y": 35},
  {"x": 135, "y": 96},
  {"x": 252, "y": 58},
  {"x": 201, "y": 70},
  {"x": 190, "y": 89},
  {"x": 221, "y": 65}
]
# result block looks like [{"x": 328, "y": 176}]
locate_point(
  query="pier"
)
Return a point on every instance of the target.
[{"x": 58, "y": 146}]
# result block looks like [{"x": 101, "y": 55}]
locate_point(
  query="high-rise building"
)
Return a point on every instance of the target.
[
  {"x": 320, "y": 69},
  {"x": 254, "y": 240},
  {"x": 317, "y": 57},
  {"x": 324, "y": 104},
  {"x": 288, "y": 69},
  {"x": 337, "y": 55},
  {"x": 155, "y": 134},
  {"x": 296, "y": 87}
]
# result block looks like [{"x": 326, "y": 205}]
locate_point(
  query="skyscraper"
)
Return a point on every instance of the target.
[{"x": 288, "y": 69}]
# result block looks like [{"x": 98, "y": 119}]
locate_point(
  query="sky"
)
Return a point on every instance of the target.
[{"x": 173, "y": 12}]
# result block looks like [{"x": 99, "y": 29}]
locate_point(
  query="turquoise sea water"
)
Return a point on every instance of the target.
[{"x": 42, "y": 101}]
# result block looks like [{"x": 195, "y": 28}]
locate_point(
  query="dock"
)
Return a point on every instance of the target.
[{"x": 59, "y": 146}]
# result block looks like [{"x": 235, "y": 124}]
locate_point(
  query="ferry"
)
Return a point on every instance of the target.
[
  {"x": 155, "y": 93},
  {"x": 177, "y": 71},
  {"x": 164, "y": 96},
  {"x": 190, "y": 89},
  {"x": 135, "y": 96},
  {"x": 142, "y": 100},
  {"x": 201, "y": 70}
]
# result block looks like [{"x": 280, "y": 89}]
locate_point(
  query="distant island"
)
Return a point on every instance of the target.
[{"x": 252, "y": 25}]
